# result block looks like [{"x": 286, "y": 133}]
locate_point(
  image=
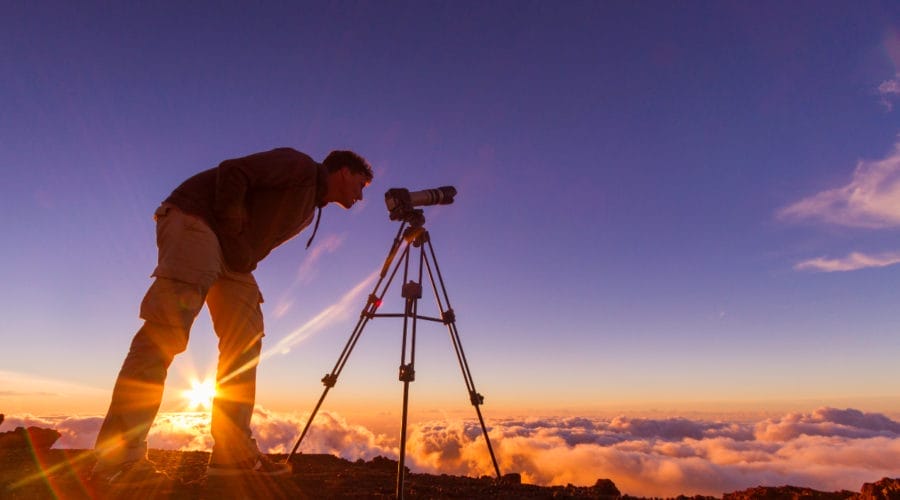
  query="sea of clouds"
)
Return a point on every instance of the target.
[{"x": 828, "y": 449}]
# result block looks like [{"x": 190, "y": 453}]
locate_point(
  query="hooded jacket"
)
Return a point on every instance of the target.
[{"x": 254, "y": 203}]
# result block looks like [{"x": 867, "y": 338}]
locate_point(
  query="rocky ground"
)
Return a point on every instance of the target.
[{"x": 63, "y": 474}]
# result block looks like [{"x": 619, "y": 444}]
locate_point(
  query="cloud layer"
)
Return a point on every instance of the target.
[
  {"x": 274, "y": 433},
  {"x": 828, "y": 449}
]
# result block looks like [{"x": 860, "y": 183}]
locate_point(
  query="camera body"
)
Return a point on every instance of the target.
[{"x": 401, "y": 202}]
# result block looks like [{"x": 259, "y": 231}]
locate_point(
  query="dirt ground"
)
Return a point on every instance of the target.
[{"x": 63, "y": 474}]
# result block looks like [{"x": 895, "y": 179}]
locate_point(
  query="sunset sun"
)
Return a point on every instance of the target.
[{"x": 201, "y": 394}]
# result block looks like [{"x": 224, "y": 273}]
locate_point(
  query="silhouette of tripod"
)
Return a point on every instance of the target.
[{"x": 415, "y": 235}]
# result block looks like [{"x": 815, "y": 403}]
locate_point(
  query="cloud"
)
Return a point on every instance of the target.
[
  {"x": 75, "y": 432},
  {"x": 870, "y": 200},
  {"x": 328, "y": 244},
  {"x": 888, "y": 90},
  {"x": 31, "y": 385},
  {"x": 852, "y": 262},
  {"x": 828, "y": 449},
  {"x": 274, "y": 432},
  {"x": 306, "y": 271},
  {"x": 25, "y": 392},
  {"x": 325, "y": 318}
]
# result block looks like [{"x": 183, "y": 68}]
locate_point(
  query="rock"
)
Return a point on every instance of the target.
[
  {"x": 605, "y": 487},
  {"x": 32, "y": 437},
  {"x": 511, "y": 478},
  {"x": 384, "y": 463},
  {"x": 886, "y": 489},
  {"x": 786, "y": 493}
]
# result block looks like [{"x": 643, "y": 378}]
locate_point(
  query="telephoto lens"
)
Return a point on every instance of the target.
[{"x": 437, "y": 196}]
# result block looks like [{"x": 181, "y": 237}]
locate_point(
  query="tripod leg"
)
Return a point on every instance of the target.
[
  {"x": 449, "y": 318},
  {"x": 401, "y": 465},
  {"x": 367, "y": 313},
  {"x": 412, "y": 292}
]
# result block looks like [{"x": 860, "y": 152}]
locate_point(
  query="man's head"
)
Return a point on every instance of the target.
[{"x": 348, "y": 174}]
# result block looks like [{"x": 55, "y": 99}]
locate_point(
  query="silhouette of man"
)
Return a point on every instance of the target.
[{"x": 212, "y": 231}]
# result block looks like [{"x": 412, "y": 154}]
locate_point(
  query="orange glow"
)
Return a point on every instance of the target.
[{"x": 200, "y": 395}]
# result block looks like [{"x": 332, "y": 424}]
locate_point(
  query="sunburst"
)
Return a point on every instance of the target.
[{"x": 201, "y": 394}]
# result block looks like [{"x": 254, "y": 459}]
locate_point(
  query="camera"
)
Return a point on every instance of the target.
[{"x": 400, "y": 202}]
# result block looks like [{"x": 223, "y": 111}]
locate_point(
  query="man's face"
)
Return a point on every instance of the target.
[{"x": 349, "y": 187}]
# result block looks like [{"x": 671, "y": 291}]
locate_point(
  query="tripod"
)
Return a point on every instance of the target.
[{"x": 414, "y": 234}]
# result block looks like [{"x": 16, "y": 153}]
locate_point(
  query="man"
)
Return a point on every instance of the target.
[{"x": 212, "y": 231}]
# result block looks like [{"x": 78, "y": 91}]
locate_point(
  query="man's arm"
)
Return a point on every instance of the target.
[
  {"x": 232, "y": 182},
  {"x": 274, "y": 169}
]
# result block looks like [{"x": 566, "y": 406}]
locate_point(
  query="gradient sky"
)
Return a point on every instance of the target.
[{"x": 676, "y": 206}]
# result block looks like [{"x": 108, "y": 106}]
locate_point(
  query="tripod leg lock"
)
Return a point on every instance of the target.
[
  {"x": 371, "y": 306},
  {"x": 475, "y": 398},
  {"x": 407, "y": 373},
  {"x": 329, "y": 380},
  {"x": 448, "y": 316}
]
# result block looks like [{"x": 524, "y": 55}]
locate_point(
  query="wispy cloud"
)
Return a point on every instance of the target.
[
  {"x": 329, "y": 244},
  {"x": 889, "y": 90},
  {"x": 26, "y": 392},
  {"x": 26, "y": 384},
  {"x": 306, "y": 271},
  {"x": 828, "y": 449},
  {"x": 325, "y": 318},
  {"x": 870, "y": 200},
  {"x": 852, "y": 262}
]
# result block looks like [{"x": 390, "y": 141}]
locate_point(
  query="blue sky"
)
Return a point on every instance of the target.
[{"x": 639, "y": 184}]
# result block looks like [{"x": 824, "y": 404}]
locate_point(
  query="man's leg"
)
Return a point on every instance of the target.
[
  {"x": 237, "y": 319},
  {"x": 169, "y": 309},
  {"x": 189, "y": 262}
]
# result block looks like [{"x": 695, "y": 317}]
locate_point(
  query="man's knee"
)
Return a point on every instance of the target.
[
  {"x": 161, "y": 341},
  {"x": 172, "y": 303}
]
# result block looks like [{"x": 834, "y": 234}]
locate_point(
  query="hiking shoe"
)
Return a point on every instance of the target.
[
  {"x": 259, "y": 465},
  {"x": 138, "y": 474}
]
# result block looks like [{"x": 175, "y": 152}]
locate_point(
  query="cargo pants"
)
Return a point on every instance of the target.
[{"x": 190, "y": 272}]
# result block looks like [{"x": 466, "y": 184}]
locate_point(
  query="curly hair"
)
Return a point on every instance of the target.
[{"x": 355, "y": 163}]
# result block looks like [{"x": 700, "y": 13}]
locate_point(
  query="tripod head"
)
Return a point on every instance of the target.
[{"x": 415, "y": 218}]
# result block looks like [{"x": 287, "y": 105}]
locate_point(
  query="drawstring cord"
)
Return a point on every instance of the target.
[{"x": 315, "y": 228}]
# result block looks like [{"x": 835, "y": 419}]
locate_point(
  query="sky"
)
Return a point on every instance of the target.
[{"x": 668, "y": 212}]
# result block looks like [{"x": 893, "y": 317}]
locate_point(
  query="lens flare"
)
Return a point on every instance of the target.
[{"x": 200, "y": 395}]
